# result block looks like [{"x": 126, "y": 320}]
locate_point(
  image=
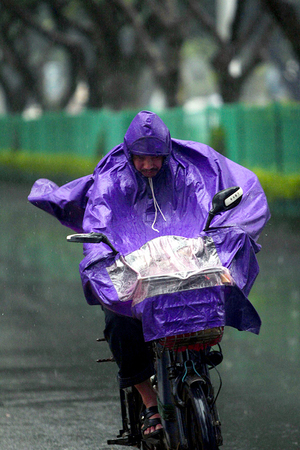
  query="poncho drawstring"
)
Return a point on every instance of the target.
[{"x": 156, "y": 206}]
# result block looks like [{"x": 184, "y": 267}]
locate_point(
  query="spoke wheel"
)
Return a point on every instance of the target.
[{"x": 198, "y": 425}]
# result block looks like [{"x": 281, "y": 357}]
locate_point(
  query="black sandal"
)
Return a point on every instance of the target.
[{"x": 157, "y": 435}]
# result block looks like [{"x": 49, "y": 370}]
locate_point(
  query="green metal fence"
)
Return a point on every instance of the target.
[{"x": 266, "y": 137}]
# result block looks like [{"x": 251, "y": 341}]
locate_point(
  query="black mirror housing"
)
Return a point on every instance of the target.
[
  {"x": 224, "y": 201},
  {"x": 227, "y": 199}
]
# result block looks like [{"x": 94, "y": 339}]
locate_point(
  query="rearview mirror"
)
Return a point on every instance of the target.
[{"x": 223, "y": 201}]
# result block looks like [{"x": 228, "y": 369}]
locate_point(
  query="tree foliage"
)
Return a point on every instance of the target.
[{"x": 122, "y": 48}]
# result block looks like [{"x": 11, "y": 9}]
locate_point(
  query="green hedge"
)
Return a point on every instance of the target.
[
  {"x": 24, "y": 166},
  {"x": 279, "y": 186}
]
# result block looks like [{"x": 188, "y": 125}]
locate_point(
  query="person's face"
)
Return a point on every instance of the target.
[{"x": 147, "y": 165}]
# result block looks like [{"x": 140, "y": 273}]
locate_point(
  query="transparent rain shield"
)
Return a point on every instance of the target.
[{"x": 168, "y": 264}]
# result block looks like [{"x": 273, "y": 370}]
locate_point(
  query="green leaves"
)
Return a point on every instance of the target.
[{"x": 23, "y": 166}]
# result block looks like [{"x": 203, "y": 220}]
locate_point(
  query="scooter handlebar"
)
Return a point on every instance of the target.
[{"x": 91, "y": 238}]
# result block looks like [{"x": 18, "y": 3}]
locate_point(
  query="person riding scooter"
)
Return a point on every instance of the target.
[{"x": 147, "y": 186}]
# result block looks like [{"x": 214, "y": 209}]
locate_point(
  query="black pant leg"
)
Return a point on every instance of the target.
[{"x": 126, "y": 341}]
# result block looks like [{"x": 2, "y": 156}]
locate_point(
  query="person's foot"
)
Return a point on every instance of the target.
[
  {"x": 152, "y": 429},
  {"x": 150, "y": 417}
]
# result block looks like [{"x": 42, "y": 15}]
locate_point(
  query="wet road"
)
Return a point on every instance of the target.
[{"x": 54, "y": 396}]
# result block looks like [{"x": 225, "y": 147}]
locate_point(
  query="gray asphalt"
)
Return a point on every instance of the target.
[{"x": 53, "y": 395}]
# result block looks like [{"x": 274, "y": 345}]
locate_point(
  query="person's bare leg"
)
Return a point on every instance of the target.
[{"x": 149, "y": 398}]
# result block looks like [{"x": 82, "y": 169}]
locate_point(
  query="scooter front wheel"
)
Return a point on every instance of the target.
[{"x": 197, "y": 419}]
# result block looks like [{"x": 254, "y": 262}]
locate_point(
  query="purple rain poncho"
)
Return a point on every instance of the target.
[{"x": 131, "y": 210}]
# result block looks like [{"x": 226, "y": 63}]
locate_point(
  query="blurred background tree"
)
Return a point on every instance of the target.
[{"x": 58, "y": 54}]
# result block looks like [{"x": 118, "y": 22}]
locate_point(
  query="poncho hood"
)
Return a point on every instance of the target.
[{"x": 147, "y": 135}]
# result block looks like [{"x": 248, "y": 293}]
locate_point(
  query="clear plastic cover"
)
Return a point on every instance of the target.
[{"x": 168, "y": 264}]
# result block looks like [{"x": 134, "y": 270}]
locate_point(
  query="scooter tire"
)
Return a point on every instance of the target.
[{"x": 197, "y": 418}]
